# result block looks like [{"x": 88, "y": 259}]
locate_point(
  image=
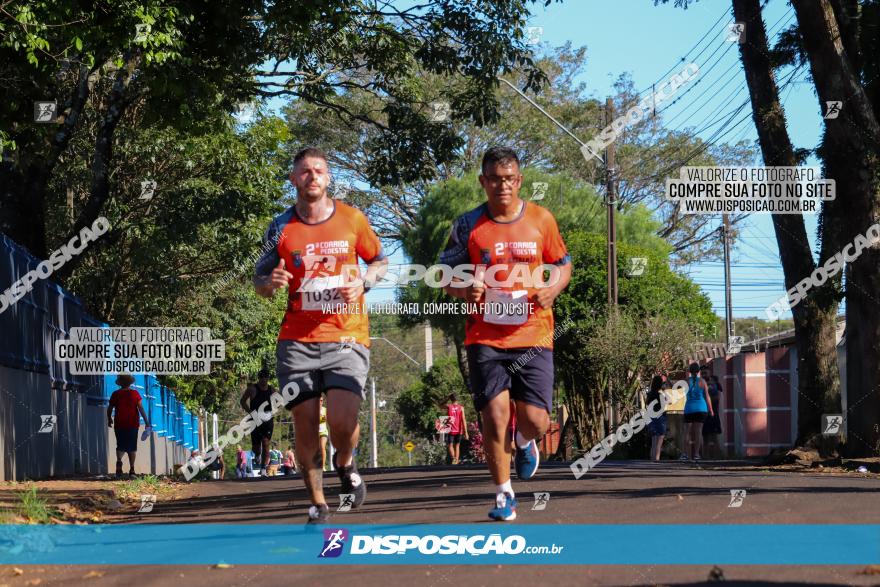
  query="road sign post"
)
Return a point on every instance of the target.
[{"x": 409, "y": 446}]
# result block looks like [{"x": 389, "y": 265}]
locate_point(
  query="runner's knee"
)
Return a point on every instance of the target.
[
  {"x": 341, "y": 421},
  {"x": 343, "y": 427},
  {"x": 497, "y": 411},
  {"x": 532, "y": 421}
]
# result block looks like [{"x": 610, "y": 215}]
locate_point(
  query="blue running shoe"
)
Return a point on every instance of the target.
[
  {"x": 505, "y": 508},
  {"x": 527, "y": 460}
]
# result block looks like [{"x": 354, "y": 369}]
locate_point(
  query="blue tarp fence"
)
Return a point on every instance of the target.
[{"x": 33, "y": 384}]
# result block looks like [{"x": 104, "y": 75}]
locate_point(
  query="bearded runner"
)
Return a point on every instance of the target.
[{"x": 321, "y": 351}]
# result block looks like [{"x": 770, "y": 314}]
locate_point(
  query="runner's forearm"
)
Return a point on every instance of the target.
[
  {"x": 564, "y": 279},
  {"x": 456, "y": 292},
  {"x": 263, "y": 287}
]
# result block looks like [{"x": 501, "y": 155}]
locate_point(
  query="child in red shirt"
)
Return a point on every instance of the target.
[{"x": 457, "y": 427}]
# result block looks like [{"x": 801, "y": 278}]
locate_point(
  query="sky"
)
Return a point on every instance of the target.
[
  {"x": 647, "y": 41},
  {"x": 650, "y": 43}
]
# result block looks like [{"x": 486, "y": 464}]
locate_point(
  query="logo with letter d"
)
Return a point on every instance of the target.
[{"x": 334, "y": 542}]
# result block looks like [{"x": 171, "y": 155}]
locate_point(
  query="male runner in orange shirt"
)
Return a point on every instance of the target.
[
  {"x": 509, "y": 343},
  {"x": 320, "y": 349}
]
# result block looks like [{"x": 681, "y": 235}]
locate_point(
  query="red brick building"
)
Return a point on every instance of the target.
[{"x": 760, "y": 392}]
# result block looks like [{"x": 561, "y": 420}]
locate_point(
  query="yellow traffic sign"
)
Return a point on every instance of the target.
[{"x": 409, "y": 446}]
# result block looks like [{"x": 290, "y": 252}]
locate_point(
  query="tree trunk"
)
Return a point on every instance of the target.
[
  {"x": 99, "y": 191},
  {"x": 23, "y": 197},
  {"x": 851, "y": 151},
  {"x": 569, "y": 442},
  {"x": 869, "y": 43},
  {"x": 814, "y": 317}
]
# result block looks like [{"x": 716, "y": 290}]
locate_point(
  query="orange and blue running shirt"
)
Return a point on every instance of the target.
[
  {"x": 530, "y": 240},
  {"x": 318, "y": 252}
]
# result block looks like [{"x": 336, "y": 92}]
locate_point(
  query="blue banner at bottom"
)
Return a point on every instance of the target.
[{"x": 477, "y": 544}]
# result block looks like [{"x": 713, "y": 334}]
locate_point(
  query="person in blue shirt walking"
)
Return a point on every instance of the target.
[{"x": 696, "y": 407}]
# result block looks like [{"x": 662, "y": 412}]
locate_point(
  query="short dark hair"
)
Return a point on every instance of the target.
[
  {"x": 657, "y": 383},
  {"x": 452, "y": 397},
  {"x": 309, "y": 152},
  {"x": 264, "y": 374},
  {"x": 498, "y": 155}
]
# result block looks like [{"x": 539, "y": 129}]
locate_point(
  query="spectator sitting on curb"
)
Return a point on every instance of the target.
[
  {"x": 274, "y": 460},
  {"x": 217, "y": 465},
  {"x": 288, "y": 466}
]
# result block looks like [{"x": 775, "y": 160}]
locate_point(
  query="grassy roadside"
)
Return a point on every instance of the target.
[
  {"x": 80, "y": 501},
  {"x": 28, "y": 507}
]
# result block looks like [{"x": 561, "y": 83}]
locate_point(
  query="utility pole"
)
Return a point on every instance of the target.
[
  {"x": 608, "y": 162},
  {"x": 429, "y": 352},
  {"x": 611, "y": 199},
  {"x": 728, "y": 304},
  {"x": 330, "y": 448},
  {"x": 654, "y": 100},
  {"x": 375, "y": 446},
  {"x": 611, "y": 188}
]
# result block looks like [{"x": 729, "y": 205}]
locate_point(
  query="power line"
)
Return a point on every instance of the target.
[
  {"x": 697, "y": 83},
  {"x": 734, "y": 67},
  {"x": 685, "y": 56},
  {"x": 717, "y": 135},
  {"x": 731, "y": 97},
  {"x": 756, "y": 265}
]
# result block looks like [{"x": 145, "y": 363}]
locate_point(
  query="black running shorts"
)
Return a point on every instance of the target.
[{"x": 526, "y": 372}]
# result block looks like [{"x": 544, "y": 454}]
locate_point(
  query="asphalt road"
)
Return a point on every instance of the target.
[{"x": 616, "y": 493}]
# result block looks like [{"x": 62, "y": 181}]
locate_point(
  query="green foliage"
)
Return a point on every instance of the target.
[
  {"x": 180, "y": 72},
  {"x": 663, "y": 312},
  {"x": 145, "y": 91},
  {"x": 644, "y": 150},
  {"x": 134, "y": 488},
  {"x": 656, "y": 301},
  {"x": 185, "y": 257},
  {"x": 430, "y": 452},
  {"x": 661, "y": 315},
  {"x": 33, "y": 507},
  {"x": 423, "y": 403},
  {"x": 656, "y": 291}
]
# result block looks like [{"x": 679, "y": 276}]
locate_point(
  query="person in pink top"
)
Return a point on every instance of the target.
[
  {"x": 288, "y": 465},
  {"x": 457, "y": 426},
  {"x": 240, "y": 462}
]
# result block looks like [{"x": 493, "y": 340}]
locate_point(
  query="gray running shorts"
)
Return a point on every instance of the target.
[{"x": 318, "y": 366}]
